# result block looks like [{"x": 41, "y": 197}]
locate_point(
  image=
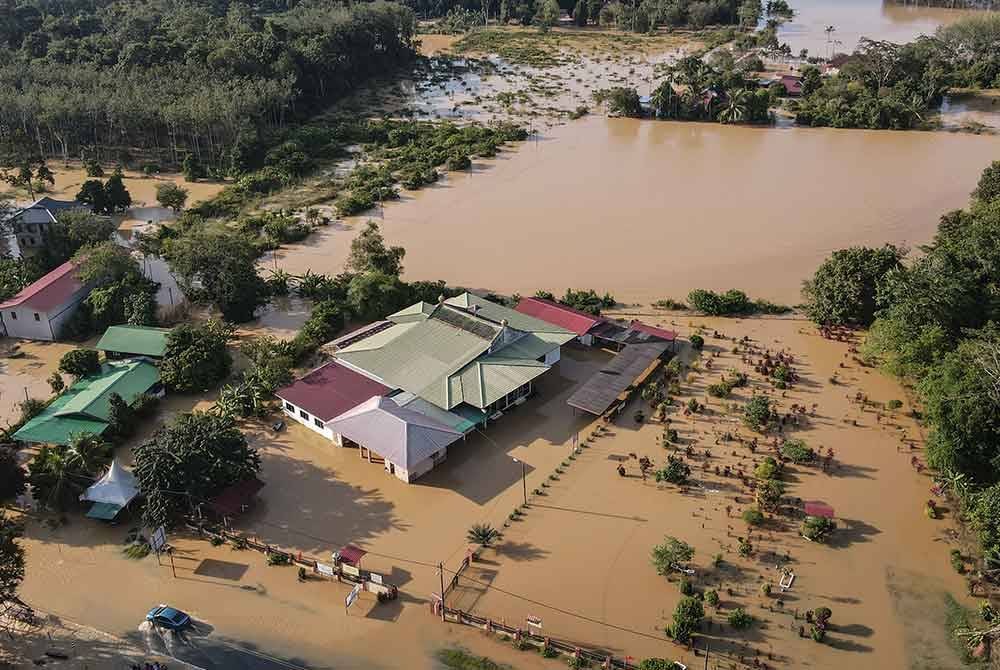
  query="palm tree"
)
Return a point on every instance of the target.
[
  {"x": 736, "y": 107},
  {"x": 88, "y": 453},
  {"x": 482, "y": 534}
]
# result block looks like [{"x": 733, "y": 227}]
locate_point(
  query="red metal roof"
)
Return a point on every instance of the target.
[
  {"x": 818, "y": 508},
  {"x": 51, "y": 291},
  {"x": 330, "y": 390},
  {"x": 352, "y": 555},
  {"x": 661, "y": 333},
  {"x": 558, "y": 314}
]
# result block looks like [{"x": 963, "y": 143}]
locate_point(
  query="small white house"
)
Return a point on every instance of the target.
[{"x": 41, "y": 309}]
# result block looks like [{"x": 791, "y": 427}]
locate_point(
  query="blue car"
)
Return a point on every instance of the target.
[{"x": 168, "y": 617}]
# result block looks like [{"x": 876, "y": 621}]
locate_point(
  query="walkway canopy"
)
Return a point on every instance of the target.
[
  {"x": 397, "y": 434},
  {"x": 602, "y": 390},
  {"x": 112, "y": 492}
]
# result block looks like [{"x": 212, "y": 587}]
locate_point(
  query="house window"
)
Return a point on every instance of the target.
[
  {"x": 289, "y": 406},
  {"x": 304, "y": 414},
  {"x": 37, "y": 318},
  {"x": 319, "y": 424},
  {"x": 13, "y": 316}
]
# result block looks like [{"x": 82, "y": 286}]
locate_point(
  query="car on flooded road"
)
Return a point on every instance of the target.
[{"x": 168, "y": 617}]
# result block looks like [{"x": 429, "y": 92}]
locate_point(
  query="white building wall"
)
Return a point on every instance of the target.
[
  {"x": 419, "y": 469},
  {"x": 20, "y": 322},
  {"x": 552, "y": 357},
  {"x": 586, "y": 340},
  {"x": 295, "y": 413}
]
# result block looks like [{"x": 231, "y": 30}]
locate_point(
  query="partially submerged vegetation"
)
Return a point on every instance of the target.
[{"x": 732, "y": 303}]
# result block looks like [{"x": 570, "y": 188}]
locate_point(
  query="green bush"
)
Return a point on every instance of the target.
[
  {"x": 686, "y": 587},
  {"x": 712, "y": 598},
  {"x": 740, "y": 619},
  {"x": 697, "y": 342},
  {"x": 817, "y": 528},
  {"x": 797, "y": 452},
  {"x": 767, "y": 469},
  {"x": 753, "y": 516},
  {"x": 757, "y": 414}
]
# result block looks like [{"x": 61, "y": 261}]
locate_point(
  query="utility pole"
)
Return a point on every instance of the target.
[{"x": 441, "y": 575}]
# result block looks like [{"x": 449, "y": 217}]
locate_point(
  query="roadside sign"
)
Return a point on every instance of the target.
[
  {"x": 352, "y": 596},
  {"x": 534, "y": 621},
  {"x": 324, "y": 569},
  {"x": 159, "y": 539},
  {"x": 375, "y": 577}
]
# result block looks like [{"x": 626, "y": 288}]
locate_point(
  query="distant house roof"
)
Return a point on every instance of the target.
[
  {"x": 331, "y": 390},
  {"x": 45, "y": 210},
  {"x": 558, "y": 314},
  {"x": 792, "y": 84},
  {"x": 600, "y": 391},
  {"x": 135, "y": 340},
  {"x": 84, "y": 407},
  {"x": 457, "y": 351},
  {"x": 399, "y": 435},
  {"x": 51, "y": 291}
]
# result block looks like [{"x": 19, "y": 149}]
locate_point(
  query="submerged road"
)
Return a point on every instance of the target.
[{"x": 199, "y": 647}]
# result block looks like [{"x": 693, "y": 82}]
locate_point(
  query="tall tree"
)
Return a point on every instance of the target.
[{"x": 369, "y": 253}]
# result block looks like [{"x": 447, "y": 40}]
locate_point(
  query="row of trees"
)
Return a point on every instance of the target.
[
  {"x": 887, "y": 85},
  {"x": 934, "y": 321},
  {"x": 211, "y": 80}
]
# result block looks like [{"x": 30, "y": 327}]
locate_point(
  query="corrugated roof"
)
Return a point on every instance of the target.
[
  {"x": 600, "y": 391},
  {"x": 520, "y": 320},
  {"x": 399, "y": 435},
  {"x": 137, "y": 340},
  {"x": 418, "y": 358},
  {"x": 84, "y": 406},
  {"x": 486, "y": 380},
  {"x": 331, "y": 390},
  {"x": 417, "y": 312},
  {"x": 418, "y": 404},
  {"x": 432, "y": 357},
  {"x": 557, "y": 314},
  {"x": 50, "y": 291},
  {"x": 661, "y": 333}
]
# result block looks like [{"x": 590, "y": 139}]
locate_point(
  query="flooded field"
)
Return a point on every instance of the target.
[
  {"x": 854, "y": 19},
  {"x": 649, "y": 209}
]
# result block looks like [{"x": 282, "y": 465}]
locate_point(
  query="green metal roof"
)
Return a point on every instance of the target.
[
  {"x": 442, "y": 353},
  {"x": 137, "y": 340},
  {"x": 84, "y": 406},
  {"x": 417, "y": 312},
  {"x": 514, "y": 319}
]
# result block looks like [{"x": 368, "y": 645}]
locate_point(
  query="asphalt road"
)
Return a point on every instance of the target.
[{"x": 202, "y": 647}]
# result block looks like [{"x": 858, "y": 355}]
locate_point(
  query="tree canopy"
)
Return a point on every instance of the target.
[
  {"x": 844, "y": 289},
  {"x": 189, "y": 461},
  {"x": 197, "y": 357}
]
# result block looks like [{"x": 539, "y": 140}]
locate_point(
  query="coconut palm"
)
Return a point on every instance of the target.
[
  {"x": 482, "y": 534},
  {"x": 88, "y": 452},
  {"x": 736, "y": 107}
]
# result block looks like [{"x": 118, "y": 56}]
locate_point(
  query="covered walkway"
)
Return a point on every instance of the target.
[{"x": 608, "y": 385}]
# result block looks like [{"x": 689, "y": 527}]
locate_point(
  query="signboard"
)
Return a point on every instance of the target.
[
  {"x": 534, "y": 621},
  {"x": 377, "y": 578},
  {"x": 324, "y": 569},
  {"x": 352, "y": 596},
  {"x": 159, "y": 539},
  {"x": 350, "y": 570}
]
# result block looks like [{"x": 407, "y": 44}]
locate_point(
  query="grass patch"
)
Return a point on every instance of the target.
[
  {"x": 958, "y": 617},
  {"x": 460, "y": 659}
]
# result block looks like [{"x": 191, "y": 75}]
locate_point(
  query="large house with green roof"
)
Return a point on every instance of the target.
[
  {"x": 456, "y": 364},
  {"x": 84, "y": 407}
]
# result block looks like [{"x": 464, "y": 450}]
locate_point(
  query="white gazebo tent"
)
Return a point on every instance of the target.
[
  {"x": 410, "y": 443},
  {"x": 111, "y": 493}
]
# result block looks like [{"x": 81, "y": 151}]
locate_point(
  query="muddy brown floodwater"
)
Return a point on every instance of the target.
[
  {"x": 649, "y": 209},
  {"x": 854, "y": 19}
]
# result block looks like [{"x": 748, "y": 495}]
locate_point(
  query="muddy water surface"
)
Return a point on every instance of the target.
[
  {"x": 649, "y": 209},
  {"x": 854, "y": 19}
]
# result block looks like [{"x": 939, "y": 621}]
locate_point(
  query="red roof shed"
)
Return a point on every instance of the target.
[
  {"x": 330, "y": 390},
  {"x": 558, "y": 314}
]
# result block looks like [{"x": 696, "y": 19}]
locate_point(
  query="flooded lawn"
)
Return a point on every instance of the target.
[{"x": 649, "y": 209}]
